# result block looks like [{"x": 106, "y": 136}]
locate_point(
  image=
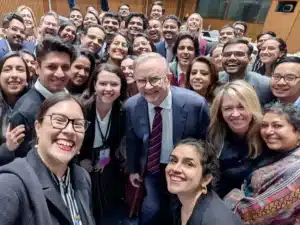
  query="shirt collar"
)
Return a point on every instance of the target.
[
  {"x": 43, "y": 90},
  {"x": 65, "y": 180},
  {"x": 297, "y": 103},
  {"x": 105, "y": 119},
  {"x": 179, "y": 69},
  {"x": 166, "y": 103},
  {"x": 168, "y": 46}
]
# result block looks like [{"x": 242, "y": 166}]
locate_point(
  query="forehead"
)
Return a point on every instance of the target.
[
  {"x": 106, "y": 76},
  {"x": 70, "y": 27},
  {"x": 194, "y": 16},
  {"x": 200, "y": 65},
  {"x": 119, "y": 38},
  {"x": 154, "y": 22},
  {"x": 14, "y": 60},
  {"x": 75, "y": 12},
  {"x": 236, "y": 47},
  {"x": 151, "y": 67},
  {"x": 274, "y": 117},
  {"x": 17, "y": 23},
  {"x": 241, "y": 26},
  {"x": 50, "y": 18},
  {"x": 27, "y": 56},
  {"x": 127, "y": 62},
  {"x": 186, "y": 151},
  {"x": 271, "y": 43},
  {"x": 170, "y": 22},
  {"x": 217, "y": 50},
  {"x": 64, "y": 107},
  {"x": 157, "y": 7},
  {"x": 227, "y": 29},
  {"x": 186, "y": 41},
  {"x": 140, "y": 39},
  {"x": 110, "y": 18},
  {"x": 136, "y": 19},
  {"x": 25, "y": 11},
  {"x": 230, "y": 99},
  {"x": 89, "y": 15},
  {"x": 57, "y": 58},
  {"x": 265, "y": 36},
  {"x": 288, "y": 68},
  {"x": 96, "y": 31},
  {"x": 124, "y": 7}
]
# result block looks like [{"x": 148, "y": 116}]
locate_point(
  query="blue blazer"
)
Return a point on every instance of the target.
[
  {"x": 4, "y": 48},
  {"x": 190, "y": 119},
  {"x": 161, "y": 48}
]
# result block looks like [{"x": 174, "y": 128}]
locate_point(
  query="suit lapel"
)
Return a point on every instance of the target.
[
  {"x": 143, "y": 116},
  {"x": 51, "y": 192},
  {"x": 179, "y": 115}
]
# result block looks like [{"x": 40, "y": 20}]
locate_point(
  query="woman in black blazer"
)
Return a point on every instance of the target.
[
  {"x": 190, "y": 173},
  {"x": 47, "y": 187},
  {"x": 106, "y": 91}
]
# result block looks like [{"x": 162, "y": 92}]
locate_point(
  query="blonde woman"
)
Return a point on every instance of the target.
[
  {"x": 29, "y": 20},
  {"x": 194, "y": 26},
  {"x": 234, "y": 133}
]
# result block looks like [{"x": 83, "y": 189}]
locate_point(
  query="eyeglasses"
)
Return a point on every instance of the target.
[
  {"x": 59, "y": 121},
  {"x": 288, "y": 78},
  {"x": 237, "y": 54},
  {"x": 154, "y": 81},
  {"x": 142, "y": 43}
]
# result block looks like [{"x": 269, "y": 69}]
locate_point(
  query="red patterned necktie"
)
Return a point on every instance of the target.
[
  {"x": 181, "y": 80},
  {"x": 155, "y": 142}
]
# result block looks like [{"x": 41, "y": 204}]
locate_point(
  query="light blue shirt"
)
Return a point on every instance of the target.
[
  {"x": 44, "y": 91},
  {"x": 167, "y": 127},
  {"x": 297, "y": 103}
]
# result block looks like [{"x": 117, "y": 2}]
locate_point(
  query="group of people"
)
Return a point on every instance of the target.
[{"x": 116, "y": 118}]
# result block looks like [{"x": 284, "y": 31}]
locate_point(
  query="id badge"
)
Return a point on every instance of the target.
[{"x": 104, "y": 157}]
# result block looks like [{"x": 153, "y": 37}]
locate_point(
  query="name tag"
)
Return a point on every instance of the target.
[{"x": 104, "y": 157}]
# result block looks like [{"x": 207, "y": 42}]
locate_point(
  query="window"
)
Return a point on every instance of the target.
[{"x": 254, "y": 11}]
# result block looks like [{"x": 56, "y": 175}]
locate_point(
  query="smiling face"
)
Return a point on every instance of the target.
[
  {"x": 127, "y": 69},
  {"x": 217, "y": 57},
  {"x": 236, "y": 116},
  {"x": 89, "y": 19},
  {"x": 278, "y": 133},
  {"x": 156, "y": 12},
  {"x": 15, "y": 34},
  {"x": 76, "y": 18},
  {"x": 154, "y": 30},
  {"x": 107, "y": 87},
  {"x": 118, "y": 49},
  {"x": 185, "y": 52},
  {"x": 68, "y": 33},
  {"x": 226, "y": 34},
  {"x": 111, "y": 25},
  {"x": 286, "y": 91},
  {"x": 80, "y": 71},
  {"x": 194, "y": 22},
  {"x": 28, "y": 19},
  {"x": 93, "y": 40},
  {"x": 135, "y": 26},
  {"x": 141, "y": 45},
  {"x": 262, "y": 39},
  {"x": 59, "y": 146},
  {"x": 235, "y": 58},
  {"x": 13, "y": 77},
  {"x": 184, "y": 172},
  {"x": 54, "y": 71},
  {"x": 200, "y": 77},
  {"x": 170, "y": 30},
  {"x": 270, "y": 52},
  {"x": 151, "y": 79},
  {"x": 124, "y": 11},
  {"x": 49, "y": 26}
]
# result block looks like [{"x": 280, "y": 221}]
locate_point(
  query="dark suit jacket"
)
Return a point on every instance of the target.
[
  {"x": 209, "y": 210},
  {"x": 161, "y": 48},
  {"x": 30, "y": 196},
  {"x": 24, "y": 113},
  {"x": 190, "y": 119}
]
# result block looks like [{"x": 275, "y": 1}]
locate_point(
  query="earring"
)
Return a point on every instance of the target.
[
  {"x": 204, "y": 190},
  {"x": 298, "y": 144}
]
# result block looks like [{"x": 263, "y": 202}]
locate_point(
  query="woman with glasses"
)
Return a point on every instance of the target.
[
  {"x": 47, "y": 187},
  {"x": 142, "y": 44},
  {"x": 285, "y": 81},
  {"x": 105, "y": 93},
  {"x": 270, "y": 195}
]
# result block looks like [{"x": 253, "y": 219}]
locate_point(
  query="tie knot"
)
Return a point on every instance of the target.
[{"x": 157, "y": 109}]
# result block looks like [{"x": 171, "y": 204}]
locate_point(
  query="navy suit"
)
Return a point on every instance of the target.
[
  {"x": 190, "y": 119},
  {"x": 161, "y": 48}
]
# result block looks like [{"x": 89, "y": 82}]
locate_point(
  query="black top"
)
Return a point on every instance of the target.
[{"x": 209, "y": 210}]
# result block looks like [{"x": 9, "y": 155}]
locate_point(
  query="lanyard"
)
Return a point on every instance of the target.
[{"x": 104, "y": 137}]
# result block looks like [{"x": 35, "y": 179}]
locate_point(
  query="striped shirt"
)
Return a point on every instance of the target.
[{"x": 68, "y": 196}]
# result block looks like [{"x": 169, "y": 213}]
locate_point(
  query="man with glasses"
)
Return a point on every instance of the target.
[
  {"x": 236, "y": 56},
  {"x": 124, "y": 11},
  {"x": 157, "y": 119},
  {"x": 14, "y": 28},
  {"x": 240, "y": 29},
  {"x": 285, "y": 81},
  {"x": 54, "y": 60}
]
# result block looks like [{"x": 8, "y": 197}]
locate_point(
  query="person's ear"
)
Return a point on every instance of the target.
[
  {"x": 206, "y": 180},
  {"x": 37, "y": 127}
]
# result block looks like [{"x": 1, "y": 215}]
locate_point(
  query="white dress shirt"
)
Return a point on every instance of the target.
[
  {"x": 98, "y": 142},
  {"x": 169, "y": 52},
  {"x": 167, "y": 126}
]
